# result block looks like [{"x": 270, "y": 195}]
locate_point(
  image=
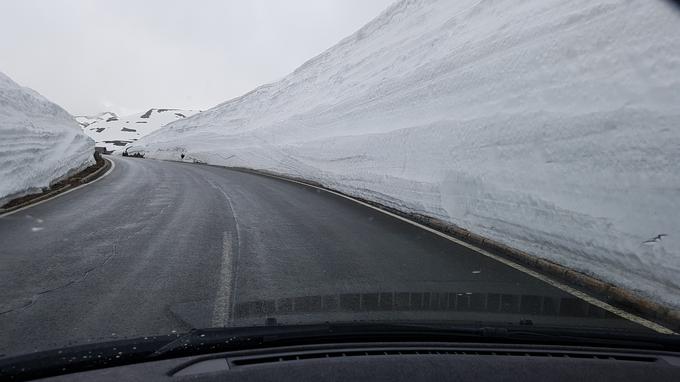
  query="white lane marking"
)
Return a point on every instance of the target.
[
  {"x": 583, "y": 296},
  {"x": 226, "y": 290},
  {"x": 222, "y": 309},
  {"x": 113, "y": 165}
]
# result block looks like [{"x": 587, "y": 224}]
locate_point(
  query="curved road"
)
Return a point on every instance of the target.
[{"x": 157, "y": 247}]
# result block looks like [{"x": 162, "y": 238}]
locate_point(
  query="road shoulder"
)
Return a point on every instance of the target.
[{"x": 99, "y": 170}]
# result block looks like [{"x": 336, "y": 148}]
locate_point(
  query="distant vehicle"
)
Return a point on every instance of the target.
[{"x": 135, "y": 155}]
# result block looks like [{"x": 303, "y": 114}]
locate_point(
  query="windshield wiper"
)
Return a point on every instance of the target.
[{"x": 224, "y": 339}]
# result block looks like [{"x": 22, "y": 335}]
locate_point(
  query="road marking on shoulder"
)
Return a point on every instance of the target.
[
  {"x": 113, "y": 165},
  {"x": 566, "y": 288}
]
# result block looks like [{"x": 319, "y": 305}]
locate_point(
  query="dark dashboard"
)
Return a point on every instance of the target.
[{"x": 403, "y": 362}]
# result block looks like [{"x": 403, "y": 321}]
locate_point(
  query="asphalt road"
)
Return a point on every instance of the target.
[{"x": 157, "y": 247}]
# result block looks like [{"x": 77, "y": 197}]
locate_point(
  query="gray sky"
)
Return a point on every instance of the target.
[{"x": 130, "y": 55}]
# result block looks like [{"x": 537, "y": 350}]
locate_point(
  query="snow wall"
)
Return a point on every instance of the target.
[
  {"x": 550, "y": 126},
  {"x": 39, "y": 142}
]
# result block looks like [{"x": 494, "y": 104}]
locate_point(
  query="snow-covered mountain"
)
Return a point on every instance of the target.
[
  {"x": 552, "y": 126},
  {"x": 114, "y": 133},
  {"x": 40, "y": 142},
  {"x": 86, "y": 120}
]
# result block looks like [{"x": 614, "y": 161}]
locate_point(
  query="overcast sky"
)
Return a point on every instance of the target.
[{"x": 127, "y": 56}]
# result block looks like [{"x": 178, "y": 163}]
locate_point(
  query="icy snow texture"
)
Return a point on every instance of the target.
[
  {"x": 552, "y": 126},
  {"x": 39, "y": 141},
  {"x": 113, "y": 132}
]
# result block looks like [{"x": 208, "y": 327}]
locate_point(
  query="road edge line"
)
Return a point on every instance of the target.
[{"x": 513, "y": 264}]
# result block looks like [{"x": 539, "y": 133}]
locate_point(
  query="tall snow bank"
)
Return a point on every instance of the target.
[
  {"x": 552, "y": 126},
  {"x": 39, "y": 141}
]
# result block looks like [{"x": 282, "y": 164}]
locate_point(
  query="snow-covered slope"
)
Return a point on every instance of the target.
[
  {"x": 552, "y": 126},
  {"x": 86, "y": 120},
  {"x": 114, "y": 133},
  {"x": 39, "y": 141}
]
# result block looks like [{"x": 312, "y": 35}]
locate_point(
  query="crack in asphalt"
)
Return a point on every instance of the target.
[{"x": 34, "y": 299}]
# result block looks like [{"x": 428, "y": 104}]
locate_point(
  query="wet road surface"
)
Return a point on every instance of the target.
[{"x": 156, "y": 247}]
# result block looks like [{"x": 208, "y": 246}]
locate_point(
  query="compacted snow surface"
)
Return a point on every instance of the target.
[
  {"x": 551, "y": 126},
  {"x": 114, "y": 133},
  {"x": 39, "y": 141}
]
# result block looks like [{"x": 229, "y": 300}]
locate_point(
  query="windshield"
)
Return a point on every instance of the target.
[{"x": 171, "y": 166}]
